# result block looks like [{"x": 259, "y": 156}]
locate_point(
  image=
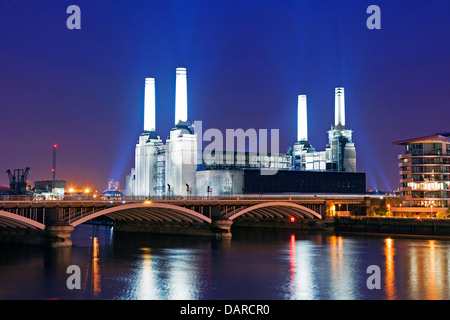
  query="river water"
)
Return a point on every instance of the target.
[{"x": 253, "y": 265}]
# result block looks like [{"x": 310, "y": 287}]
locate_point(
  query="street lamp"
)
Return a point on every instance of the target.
[{"x": 431, "y": 211}]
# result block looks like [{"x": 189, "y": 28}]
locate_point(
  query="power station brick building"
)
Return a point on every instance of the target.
[{"x": 178, "y": 167}]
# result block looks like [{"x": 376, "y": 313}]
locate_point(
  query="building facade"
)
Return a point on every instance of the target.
[{"x": 424, "y": 170}]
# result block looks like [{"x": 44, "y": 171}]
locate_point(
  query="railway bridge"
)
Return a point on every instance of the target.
[{"x": 52, "y": 222}]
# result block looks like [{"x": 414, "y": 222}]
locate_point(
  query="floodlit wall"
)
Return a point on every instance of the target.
[
  {"x": 145, "y": 169},
  {"x": 181, "y": 162},
  {"x": 220, "y": 182}
]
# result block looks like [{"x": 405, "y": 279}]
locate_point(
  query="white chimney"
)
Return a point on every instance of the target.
[
  {"x": 181, "y": 96},
  {"x": 149, "y": 105},
  {"x": 302, "y": 123},
  {"x": 339, "y": 108}
]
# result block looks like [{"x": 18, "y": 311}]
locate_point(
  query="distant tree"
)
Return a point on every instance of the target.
[
  {"x": 441, "y": 215},
  {"x": 380, "y": 211}
]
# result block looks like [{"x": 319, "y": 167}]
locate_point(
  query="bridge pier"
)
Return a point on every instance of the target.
[
  {"x": 57, "y": 236},
  {"x": 57, "y": 232},
  {"x": 221, "y": 228},
  {"x": 52, "y": 236}
]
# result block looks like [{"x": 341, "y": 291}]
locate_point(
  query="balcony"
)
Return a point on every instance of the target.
[{"x": 404, "y": 156}]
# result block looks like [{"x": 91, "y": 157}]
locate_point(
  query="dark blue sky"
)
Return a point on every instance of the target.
[{"x": 247, "y": 61}]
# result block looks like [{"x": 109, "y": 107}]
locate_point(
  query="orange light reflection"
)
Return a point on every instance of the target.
[
  {"x": 389, "y": 252},
  {"x": 96, "y": 279}
]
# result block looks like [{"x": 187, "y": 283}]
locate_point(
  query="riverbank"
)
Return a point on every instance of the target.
[{"x": 391, "y": 225}]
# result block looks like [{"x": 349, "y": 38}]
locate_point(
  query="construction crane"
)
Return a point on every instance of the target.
[{"x": 18, "y": 180}]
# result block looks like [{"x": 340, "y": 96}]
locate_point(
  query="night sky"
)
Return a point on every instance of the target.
[{"x": 247, "y": 62}]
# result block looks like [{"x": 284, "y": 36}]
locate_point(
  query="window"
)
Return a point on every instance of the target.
[
  {"x": 416, "y": 149},
  {"x": 434, "y": 160},
  {"x": 432, "y": 148},
  {"x": 428, "y": 148}
]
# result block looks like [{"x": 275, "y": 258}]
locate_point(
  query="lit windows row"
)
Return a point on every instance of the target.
[
  {"x": 430, "y": 194},
  {"x": 428, "y": 185},
  {"x": 429, "y": 177},
  {"x": 427, "y": 148},
  {"x": 433, "y": 169},
  {"x": 434, "y": 203},
  {"x": 433, "y": 160}
]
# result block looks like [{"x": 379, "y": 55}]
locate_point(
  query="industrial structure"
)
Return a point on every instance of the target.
[
  {"x": 340, "y": 153},
  {"x": 54, "y": 167},
  {"x": 18, "y": 181},
  {"x": 177, "y": 167},
  {"x": 49, "y": 185}
]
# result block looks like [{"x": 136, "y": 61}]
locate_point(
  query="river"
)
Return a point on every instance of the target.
[{"x": 253, "y": 265}]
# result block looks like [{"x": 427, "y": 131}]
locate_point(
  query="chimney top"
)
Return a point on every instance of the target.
[{"x": 181, "y": 71}]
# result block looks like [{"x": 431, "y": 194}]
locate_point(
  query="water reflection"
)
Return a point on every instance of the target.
[
  {"x": 182, "y": 276},
  {"x": 389, "y": 252},
  {"x": 417, "y": 269},
  {"x": 261, "y": 266},
  {"x": 343, "y": 272},
  {"x": 436, "y": 278},
  {"x": 432, "y": 270},
  {"x": 93, "y": 277},
  {"x": 147, "y": 288},
  {"x": 301, "y": 269},
  {"x": 336, "y": 264},
  {"x": 292, "y": 266},
  {"x": 167, "y": 275},
  {"x": 304, "y": 271},
  {"x": 413, "y": 273}
]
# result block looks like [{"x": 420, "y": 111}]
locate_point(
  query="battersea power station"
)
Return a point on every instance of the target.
[{"x": 179, "y": 167}]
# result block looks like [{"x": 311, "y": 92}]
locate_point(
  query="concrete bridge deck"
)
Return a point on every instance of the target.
[{"x": 206, "y": 215}]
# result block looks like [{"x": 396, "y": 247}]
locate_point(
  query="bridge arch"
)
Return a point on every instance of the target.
[
  {"x": 277, "y": 209},
  {"x": 144, "y": 212},
  {"x": 12, "y": 220}
]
